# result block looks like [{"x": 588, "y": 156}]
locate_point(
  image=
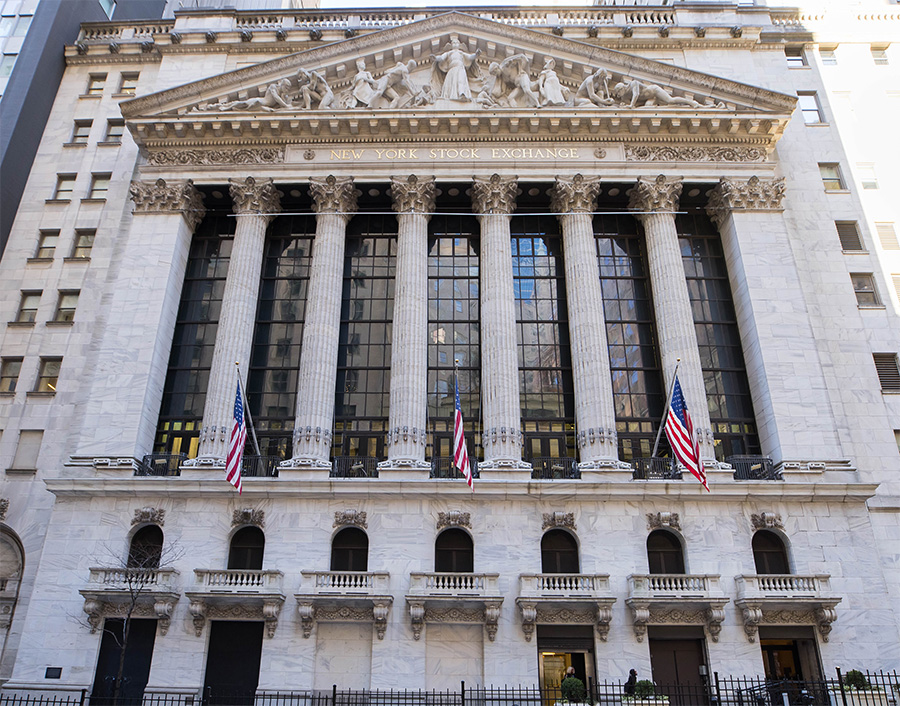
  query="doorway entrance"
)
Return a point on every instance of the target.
[
  {"x": 136, "y": 666},
  {"x": 678, "y": 661},
  {"x": 790, "y": 653},
  {"x": 561, "y": 647},
  {"x": 232, "y": 662}
]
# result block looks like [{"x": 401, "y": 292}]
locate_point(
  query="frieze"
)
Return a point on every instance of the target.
[
  {"x": 454, "y": 518},
  {"x": 190, "y": 158},
  {"x": 656, "y": 520},
  {"x": 150, "y": 515},
  {"x": 558, "y": 519},
  {"x": 248, "y": 516},
  {"x": 766, "y": 520},
  {"x": 668, "y": 153},
  {"x": 161, "y": 197},
  {"x": 354, "y": 518}
]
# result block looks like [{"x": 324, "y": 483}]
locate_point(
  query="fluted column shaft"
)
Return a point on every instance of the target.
[
  {"x": 494, "y": 200},
  {"x": 334, "y": 201},
  {"x": 595, "y": 415},
  {"x": 254, "y": 204},
  {"x": 414, "y": 201},
  {"x": 656, "y": 201}
]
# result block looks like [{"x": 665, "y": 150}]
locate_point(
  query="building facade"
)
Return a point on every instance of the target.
[{"x": 555, "y": 210}]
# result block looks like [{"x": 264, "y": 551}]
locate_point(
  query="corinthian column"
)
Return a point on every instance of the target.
[
  {"x": 656, "y": 202},
  {"x": 255, "y": 202},
  {"x": 595, "y": 417},
  {"x": 494, "y": 199},
  {"x": 334, "y": 200},
  {"x": 413, "y": 201}
]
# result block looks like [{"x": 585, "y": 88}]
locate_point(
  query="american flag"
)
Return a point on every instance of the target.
[
  {"x": 460, "y": 453},
  {"x": 680, "y": 433},
  {"x": 236, "y": 444}
]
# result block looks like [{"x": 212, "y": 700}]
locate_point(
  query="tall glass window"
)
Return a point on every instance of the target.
[
  {"x": 638, "y": 393},
  {"x": 362, "y": 393},
  {"x": 453, "y": 334},
  {"x": 275, "y": 360},
  {"x": 184, "y": 393},
  {"x": 545, "y": 367},
  {"x": 721, "y": 354}
]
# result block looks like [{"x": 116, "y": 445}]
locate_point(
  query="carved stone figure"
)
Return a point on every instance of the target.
[
  {"x": 313, "y": 86},
  {"x": 454, "y": 64},
  {"x": 635, "y": 94},
  {"x": 362, "y": 88},
  {"x": 394, "y": 85},
  {"x": 552, "y": 92},
  {"x": 493, "y": 89},
  {"x": 275, "y": 98},
  {"x": 508, "y": 82},
  {"x": 594, "y": 90}
]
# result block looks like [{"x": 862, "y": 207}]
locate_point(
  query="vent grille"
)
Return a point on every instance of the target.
[
  {"x": 896, "y": 278},
  {"x": 848, "y": 232},
  {"x": 888, "y": 372},
  {"x": 887, "y": 236}
]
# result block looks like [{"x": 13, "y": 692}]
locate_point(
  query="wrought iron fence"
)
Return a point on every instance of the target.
[
  {"x": 260, "y": 466},
  {"x": 442, "y": 467},
  {"x": 754, "y": 468},
  {"x": 655, "y": 468},
  {"x": 161, "y": 465},
  {"x": 550, "y": 468},
  {"x": 354, "y": 467}
]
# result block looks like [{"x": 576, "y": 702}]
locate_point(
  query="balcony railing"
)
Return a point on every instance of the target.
[
  {"x": 453, "y": 585},
  {"x": 563, "y": 585},
  {"x": 260, "y": 466},
  {"x": 161, "y": 465},
  {"x": 549, "y": 468},
  {"x": 655, "y": 469},
  {"x": 754, "y": 468},
  {"x": 239, "y": 580},
  {"x": 354, "y": 467},
  {"x": 122, "y": 578},
  {"x": 443, "y": 468},
  {"x": 673, "y": 586},
  {"x": 783, "y": 585},
  {"x": 345, "y": 583}
]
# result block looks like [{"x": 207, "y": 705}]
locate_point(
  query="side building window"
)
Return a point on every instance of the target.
[
  {"x": 770, "y": 554},
  {"x": 146, "y": 547},
  {"x": 664, "y": 553},
  {"x": 454, "y": 552},
  {"x": 350, "y": 550},
  {"x": 247, "y": 547},
  {"x": 559, "y": 553}
]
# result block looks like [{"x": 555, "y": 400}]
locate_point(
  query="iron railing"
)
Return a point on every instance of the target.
[
  {"x": 354, "y": 467},
  {"x": 442, "y": 467},
  {"x": 550, "y": 468},
  {"x": 161, "y": 465},
  {"x": 260, "y": 466},
  {"x": 754, "y": 468},
  {"x": 655, "y": 468}
]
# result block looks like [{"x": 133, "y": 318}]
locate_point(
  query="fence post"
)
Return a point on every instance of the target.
[
  {"x": 718, "y": 691},
  {"x": 841, "y": 684},
  {"x": 334, "y": 695},
  {"x": 83, "y": 696},
  {"x": 462, "y": 693}
]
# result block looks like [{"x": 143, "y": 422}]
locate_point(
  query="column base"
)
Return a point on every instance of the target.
[
  {"x": 304, "y": 468},
  {"x": 505, "y": 469},
  {"x": 404, "y": 469},
  {"x": 204, "y": 468},
  {"x": 605, "y": 470}
]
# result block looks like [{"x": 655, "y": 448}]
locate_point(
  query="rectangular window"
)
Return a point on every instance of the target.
[
  {"x": 99, "y": 186},
  {"x": 897, "y": 438},
  {"x": 887, "y": 236},
  {"x": 65, "y": 185},
  {"x": 22, "y": 25},
  {"x": 27, "y": 450},
  {"x": 6, "y": 65},
  {"x": 888, "y": 373},
  {"x": 879, "y": 56},
  {"x": 128, "y": 83},
  {"x": 65, "y": 307},
  {"x": 831, "y": 177},
  {"x": 96, "y": 84},
  {"x": 794, "y": 57},
  {"x": 114, "y": 131},
  {"x": 6, "y": 25},
  {"x": 829, "y": 57},
  {"x": 84, "y": 242},
  {"x": 9, "y": 374},
  {"x": 28, "y": 307},
  {"x": 48, "y": 375},
  {"x": 47, "y": 243},
  {"x": 81, "y": 131},
  {"x": 848, "y": 232},
  {"x": 864, "y": 286},
  {"x": 867, "y": 176},
  {"x": 810, "y": 108}
]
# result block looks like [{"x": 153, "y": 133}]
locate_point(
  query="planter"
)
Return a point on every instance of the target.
[
  {"x": 856, "y": 697},
  {"x": 651, "y": 701}
]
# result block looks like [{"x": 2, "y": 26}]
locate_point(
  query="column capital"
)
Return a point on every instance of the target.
[
  {"x": 333, "y": 195},
  {"x": 577, "y": 194},
  {"x": 413, "y": 195},
  {"x": 659, "y": 194},
  {"x": 251, "y": 196},
  {"x": 161, "y": 197},
  {"x": 754, "y": 194},
  {"x": 495, "y": 194}
]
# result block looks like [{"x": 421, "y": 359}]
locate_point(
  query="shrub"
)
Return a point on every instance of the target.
[
  {"x": 855, "y": 679},
  {"x": 644, "y": 689},
  {"x": 573, "y": 689}
]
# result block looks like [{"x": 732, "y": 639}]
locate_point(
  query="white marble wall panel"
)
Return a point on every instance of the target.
[
  {"x": 343, "y": 655},
  {"x": 453, "y": 653}
]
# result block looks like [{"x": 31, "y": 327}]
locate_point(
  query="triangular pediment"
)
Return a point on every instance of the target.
[{"x": 457, "y": 67}]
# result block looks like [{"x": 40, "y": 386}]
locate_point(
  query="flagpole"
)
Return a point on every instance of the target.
[
  {"x": 666, "y": 410},
  {"x": 247, "y": 409}
]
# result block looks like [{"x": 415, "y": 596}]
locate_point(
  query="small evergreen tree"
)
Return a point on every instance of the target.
[
  {"x": 573, "y": 690},
  {"x": 644, "y": 689}
]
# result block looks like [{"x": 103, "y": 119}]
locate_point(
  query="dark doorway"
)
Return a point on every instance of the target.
[
  {"x": 790, "y": 653},
  {"x": 676, "y": 655},
  {"x": 232, "y": 662},
  {"x": 138, "y": 655},
  {"x": 561, "y": 647}
]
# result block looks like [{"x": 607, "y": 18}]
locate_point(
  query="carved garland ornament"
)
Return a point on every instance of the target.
[
  {"x": 644, "y": 614},
  {"x": 354, "y": 518},
  {"x": 248, "y": 516},
  {"x": 185, "y": 158},
  {"x": 766, "y": 520},
  {"x": 151, "y": 515},
  {"x": 160, "y": 197},
  {"x": 664, "y": 153},
  {"x": 659, "y": 194},
  {"x": 454, "y": 518},
  {"x": 755, "y": 614},
  {"x": 4, "y": 508},
  {"x": 494, "y": 195},
  {"x": 333, "y": 195},
  {"x": 755, "y": 194},
  {"x": 268, "y": 611},
  {"x": 558, "y": 519},
  {"x": 575, "y": 195},
  {"x": 419, "y": 615},
  {"x": 160, "y": 607},
  {"x": 410, "y": 195},
  {"x": 532, "y": 612},
  {"x": 656, "y": 520}
]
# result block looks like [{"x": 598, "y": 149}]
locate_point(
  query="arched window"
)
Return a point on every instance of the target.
[
  {"x": 350, "y": 550},
  {"x": 247, "y": 547},
  {"x": 146, "y": 548},
  {"x": 664, "y": 553},
  {"x": 769, "y": 553},
  {"x": 559, "y": 553},
  {"x": 453, "y": 552}
]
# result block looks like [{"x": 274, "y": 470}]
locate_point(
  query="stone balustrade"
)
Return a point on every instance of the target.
[
  {"x": 453, "y": 584},
  {"x": 782, "y": 585},
  {"x": 345, "y": 582},
  {"x": 563, "y": 585},
  {"x": 119, "y": 577},
  {"x": 239, "y": 580},
  {"x": 673, "y": 585}
]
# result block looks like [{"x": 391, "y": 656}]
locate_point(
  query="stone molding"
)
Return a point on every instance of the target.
[
  {"x": 596, "y": 613},
  {"x": 755, "y": 194},
  {"x": 711, "y": 616},
  {"x": 454, "y": 518},
  {"x": 421, "y": 613},
  {"x": 149, "y": 515},
  {"x": 413, "y": 195},
  {"x": 161, "y": 197},
  {"x": 196, "y": 157},
  {"x": 669, "y": 153},
  {"x": 153, "y": 605},
  {"x": 494, "y": 194},
  {"x": 659, "y": 194},
  {"x": 766, "y": 520},
  {"x": 267, "y": 610},
  {"x": 398, "y": 434},
  {"x": 350, "y": 518},
  {"x": 252, "y": 197},
  {"x": 594, "y": 435},
  {"x": 577, "y": 194},
  {"x": 334, "y": 195},
  {"x": 4, "y": 508},
  {"x": 558, "y": 519},
  {"x": 755, "y": 614},
  {"x": 248, "y": 516},
  {"x": 657, "y": 520}
]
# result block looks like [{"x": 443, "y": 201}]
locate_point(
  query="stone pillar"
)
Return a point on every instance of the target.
[
  {"x": 334, "y": 200},
  {"x": 255, "y": 202},
  {"x": 413, "y": 201},
  {"x": 773, "y": 320},
  {"x": 595, "y": 417},
  {"x": 656, "y": 202},
  {"x": 493, "y": 200}
]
